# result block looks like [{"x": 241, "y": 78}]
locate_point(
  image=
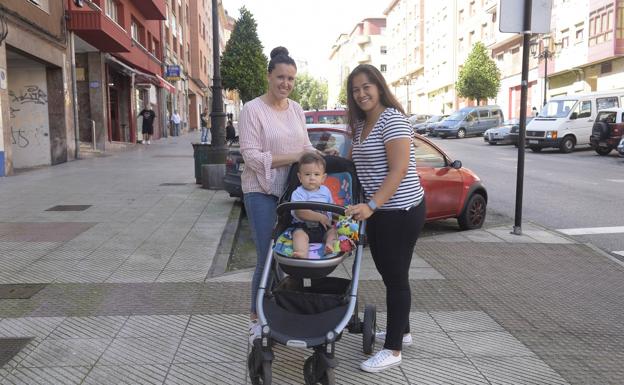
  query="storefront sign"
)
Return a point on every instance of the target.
[
  {"x": 172, "y": 73},
  {"x": 3, "y": 79},
  {"x": 94, "y": 84}
]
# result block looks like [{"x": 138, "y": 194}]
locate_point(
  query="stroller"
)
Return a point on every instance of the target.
[{"x": 298, "y": 305}]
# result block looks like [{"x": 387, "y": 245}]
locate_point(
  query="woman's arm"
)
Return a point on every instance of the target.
[{"x": 398, "y": 154}]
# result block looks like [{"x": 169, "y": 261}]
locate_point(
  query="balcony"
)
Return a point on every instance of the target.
[
  {"x": 97, "y": 29},
  {"x": 151, "y": 9}
]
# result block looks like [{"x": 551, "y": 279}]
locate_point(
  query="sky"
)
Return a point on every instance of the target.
[{"x": 307, "y": 28}]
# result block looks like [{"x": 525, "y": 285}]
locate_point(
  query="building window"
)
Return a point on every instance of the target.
[
  {"x": 383, "y": 68},
  {"x": 620, "y": 21},
  {"x": 383, "y": 50},
  {"x": 44, "y": 5},
  {"x": 579, "y": 35},
  {"x": 138, "y": 32},
  {"x": 461, "y": 16},
  {"x": 601, "y": 25},
  {"x": 112, "y": 10}
]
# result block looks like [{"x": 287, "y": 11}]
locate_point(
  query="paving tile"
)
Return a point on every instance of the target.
[
  {"x": 349, "y": 373},
  {"x": 182, "y": 275},
  {"x": 127, "y": 375},
  {"x": 226, "y": 373},
  {"x": 54, "y": 375},
  {"x": 517, "y": 371},
  {"x": 449, "y": 371},
  {"x": 29, "y": 326},
  {"x": 465, "y": 321},
  {"x": 222, "y": 348},
  {"x": 88, "y": 327},
  {"x": 420, "y": 322},
  {"x": 131, "y": 276},
  {"x": 217, "y": 324},
  {"x": 140, "y": 351},
  {"x": 154, "y": 326},
  {"x": 83, "y": 276},
  {"x": 431, "y": 345},
  {"x": 496, "y": 344},
  {"x": 71, "y": 352}
]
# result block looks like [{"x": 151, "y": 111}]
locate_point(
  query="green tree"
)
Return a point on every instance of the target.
[
  {"x": 342, "y": 96},
  {"x": 309, "y": 92},
  {"x": 243, "y": 65},
  {"x": 479, "y": 78}
]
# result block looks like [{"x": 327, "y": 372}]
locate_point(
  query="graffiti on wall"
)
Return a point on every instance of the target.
[{"x": 29, "y": 121}]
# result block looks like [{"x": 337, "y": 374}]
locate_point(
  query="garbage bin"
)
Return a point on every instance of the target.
[{"x": 207, "y": 154}]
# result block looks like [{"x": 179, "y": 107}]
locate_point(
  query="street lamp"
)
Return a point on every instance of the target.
[{"x": 545, "y": 54}]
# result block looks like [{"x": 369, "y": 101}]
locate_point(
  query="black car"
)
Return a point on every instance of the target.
[{"x": 331, "y": 139}]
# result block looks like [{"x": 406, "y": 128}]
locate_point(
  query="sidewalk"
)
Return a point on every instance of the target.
[{"x": 131, "y": 290}]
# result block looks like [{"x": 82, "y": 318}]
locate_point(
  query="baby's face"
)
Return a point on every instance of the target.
[{"x": 311, "y": 176}]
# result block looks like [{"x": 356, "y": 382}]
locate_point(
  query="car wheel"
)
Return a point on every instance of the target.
[
  {"x": 461, "y": 133},
  {"x": 603, "y": 150},
  {"x": 492, "y": 143},
  {"x": 473, "y": 215},
  {"x": 567, "y": 145},
  {"x": 535, "y": 149}
]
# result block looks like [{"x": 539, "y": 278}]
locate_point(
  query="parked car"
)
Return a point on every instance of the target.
[
  {"x": 620, "y": 147},
  {"x": 417, "y": 119},
  {"x": 421, "y": 128},
  {"x": 469, "y": 121},
  {"x": 566, "y": 122},
  {"x": 337, "y": 116},
  {"x": 451, "y": 190},
  {"x": 332, "y": 139},
  {"x": 502, "y": 133},
  {"x": 607, "y": 130}
]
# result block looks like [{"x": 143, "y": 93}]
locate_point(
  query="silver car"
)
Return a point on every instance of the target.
[{"x": 620, "y": 147}]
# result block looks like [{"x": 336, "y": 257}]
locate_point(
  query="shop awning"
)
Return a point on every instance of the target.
[{"x": 166, "y": 85}]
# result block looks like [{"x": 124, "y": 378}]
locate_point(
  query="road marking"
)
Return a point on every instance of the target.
[
  {"x": 616, "y": 180},
  {"x": 593, "y": 230},
  {"x": 619, "y": 253}
]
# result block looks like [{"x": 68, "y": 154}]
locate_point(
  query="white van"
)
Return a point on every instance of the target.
[{"x": 566, "y": 121}]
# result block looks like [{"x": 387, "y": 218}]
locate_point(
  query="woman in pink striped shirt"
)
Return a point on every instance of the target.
[{"x": 273, "y": 135}]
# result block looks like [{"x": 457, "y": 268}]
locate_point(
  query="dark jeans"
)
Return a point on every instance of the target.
[{"x": 392, "y": 235}]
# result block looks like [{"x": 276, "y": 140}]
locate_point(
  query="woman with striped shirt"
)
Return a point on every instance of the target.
[
  {"x": 273, "y": 135},
  {"x": 395, "y": 210}
]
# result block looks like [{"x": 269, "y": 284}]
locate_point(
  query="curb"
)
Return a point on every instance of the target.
[{"x": 228, "y": 237}]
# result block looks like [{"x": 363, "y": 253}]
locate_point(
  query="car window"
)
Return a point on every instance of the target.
[
  {"x": 557, "y": 109},
  {"x": 606, "y": 116},
  {"x": 483, "y": 113},
  {"x": 606, "y": 102},
  {"x": 583, "y": 109},
  {"x": 471, "y": 116},
  {"x": 309, "y": 119},
  {"x": 331, "y": 143},
  {"x": 427, "y": 155},
  {"x": 331, "y": 119}
]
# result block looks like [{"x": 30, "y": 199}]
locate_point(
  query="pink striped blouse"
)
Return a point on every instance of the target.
[{"x": 264, "y": 132}]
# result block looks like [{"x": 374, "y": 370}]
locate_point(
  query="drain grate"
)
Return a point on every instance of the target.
[
  {"x": 9, "y": 347},
  {"x": 20, "y": 290},
  {"x": 69, "y": 208},
  {"x": 173, "y": 184}
]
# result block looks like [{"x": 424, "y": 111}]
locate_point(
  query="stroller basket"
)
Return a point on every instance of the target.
[{"x": 320, "y": 296}]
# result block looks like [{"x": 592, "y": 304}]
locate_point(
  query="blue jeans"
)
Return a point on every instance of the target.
[
  {"x": 261, "y": 213},
  {"x": 204, "y": 134},
  {"x": 176, "y": 129}
]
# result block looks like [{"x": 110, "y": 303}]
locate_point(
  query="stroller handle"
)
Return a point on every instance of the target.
[{"x": 317, "y": 206}]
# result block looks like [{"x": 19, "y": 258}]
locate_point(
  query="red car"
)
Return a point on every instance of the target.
[{"x": 451, "y": 191}]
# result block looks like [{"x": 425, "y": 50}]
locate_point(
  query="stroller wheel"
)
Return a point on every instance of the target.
[
  {"x": 368, "y": 329},
  {"x": 309, "y": 370},
  {"x": 329, "y": 378},
  {"x": 253, "y": 368},
  {"x": 266, "y": 373}
]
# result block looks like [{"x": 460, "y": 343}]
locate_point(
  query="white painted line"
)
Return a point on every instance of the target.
[
  {"x": 616, "y": 180},
  {"x": 593, "y": 230},
  {"x": 619, "y": 253}
]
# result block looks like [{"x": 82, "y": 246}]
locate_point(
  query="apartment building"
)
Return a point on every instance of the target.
[
  {"x": 365, "y": 44},
  {"x": 405, "y": 22},
  {"x": 36, "y": 123},
  {"x": 176, "y": 59}
]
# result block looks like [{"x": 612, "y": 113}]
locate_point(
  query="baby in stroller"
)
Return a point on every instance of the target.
[{"x": 312, "y": 226}]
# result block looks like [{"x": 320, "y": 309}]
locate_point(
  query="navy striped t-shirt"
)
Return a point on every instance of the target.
[{"x": 371, "y": 161}]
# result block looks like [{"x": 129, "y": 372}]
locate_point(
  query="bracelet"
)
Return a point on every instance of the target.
[{"x": 373, "y": 206}]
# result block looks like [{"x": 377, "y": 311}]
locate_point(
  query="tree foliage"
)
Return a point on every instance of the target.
[
  {"x": 243, "y": 65},
  {"x": 310, "y": 92},
  {"x": 479, "y": 78},
  {"x": 342, "y": 96}
]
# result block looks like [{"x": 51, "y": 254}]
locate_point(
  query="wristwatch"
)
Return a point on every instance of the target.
[{"x": 373, "y": 206}]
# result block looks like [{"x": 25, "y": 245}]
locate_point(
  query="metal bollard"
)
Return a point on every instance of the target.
[{"x": 93, "y": 133}]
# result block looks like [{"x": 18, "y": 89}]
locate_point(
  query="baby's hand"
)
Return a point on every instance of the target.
[{"x": 326, "y": 222}]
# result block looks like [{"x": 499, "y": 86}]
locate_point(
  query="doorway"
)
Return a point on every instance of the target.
[{"x": 114, "y": 114}]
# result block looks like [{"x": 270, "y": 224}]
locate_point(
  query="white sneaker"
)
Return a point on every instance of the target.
[
  {"x": 149, "y": 142},
  {"x": 255, "y": 331},
  {"x": 407, "y": 338},
  {"x": 384, "y": 359}
]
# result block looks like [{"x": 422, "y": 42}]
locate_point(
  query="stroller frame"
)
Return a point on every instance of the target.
[{"x": 318, "y": 368}]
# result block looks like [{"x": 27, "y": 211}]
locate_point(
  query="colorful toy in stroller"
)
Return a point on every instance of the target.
[{"x": 298, "y": 304}]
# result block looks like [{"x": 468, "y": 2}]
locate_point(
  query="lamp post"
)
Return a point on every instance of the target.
[
  {"x": 217, "y": 116},
  {"x": 545, "y": 54}
]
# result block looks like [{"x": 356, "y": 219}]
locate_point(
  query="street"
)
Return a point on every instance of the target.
[{"x": 573, "y": 193}]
